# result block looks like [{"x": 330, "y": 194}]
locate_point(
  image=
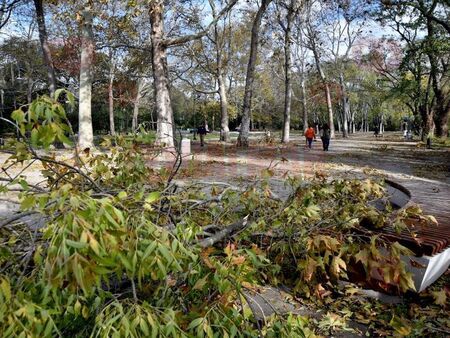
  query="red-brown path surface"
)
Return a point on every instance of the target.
[{"x": 425, "y": 173}]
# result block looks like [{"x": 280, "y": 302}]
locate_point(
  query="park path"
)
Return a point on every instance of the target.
[{"x": 425, "y": 173}]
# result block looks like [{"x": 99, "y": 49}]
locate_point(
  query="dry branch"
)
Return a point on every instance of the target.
[{"x": 228, "y": 231}]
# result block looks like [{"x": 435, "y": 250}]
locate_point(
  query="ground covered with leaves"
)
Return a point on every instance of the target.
[{"x": 109, "y": 247}]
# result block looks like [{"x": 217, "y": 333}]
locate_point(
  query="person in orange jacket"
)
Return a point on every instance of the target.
[{"x": 310, "y": 134}]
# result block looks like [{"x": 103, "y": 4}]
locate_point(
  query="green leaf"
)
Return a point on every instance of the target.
[
  {"x": 152, "y": 197},
  {"x": 76, "y": 245},
  {"x": 165, "y": 252},
  {"x": 18, "y": 115},
  {"x": 6, "y": 289},
  {"x": 144, "y": 327},
  {"x": 196, "y": 322},
  {"x": 126, "y": 263},
  {"x": 28, "y": 202}
]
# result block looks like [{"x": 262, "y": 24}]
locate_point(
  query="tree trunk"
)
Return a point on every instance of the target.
[
  {"x": 427, "y": 121},
  {"x": 224, "y": 121},
  {"x": 442, "y": 123},
  {"x": 164, "y": 129},
  {"x": 345, "y": 106},
  {"x": 327, "y": 91},
  {"x": 220, "y": 74},
  {"x": 304, "y": 106},
  {"x": 85, "y": 131},
  {"x": 43, "y": 38},
  {"x": 137, "y": 101},
  {"x": 29, "y": 90},
  {"x": 247, "y": 104},
  {"x": 287, "y": 76},
  {"x": 442, "y": 102},
  {"x": 112, "y": 129}
]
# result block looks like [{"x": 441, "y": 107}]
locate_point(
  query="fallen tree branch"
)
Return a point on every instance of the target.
[
  {"x": 228, "y": 231},
  {"x": 17, "y": 217}
]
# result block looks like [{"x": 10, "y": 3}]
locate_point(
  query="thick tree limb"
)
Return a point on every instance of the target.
[
  {"x": 16, "y": 217},
  {"x": 228, "y": 231}
]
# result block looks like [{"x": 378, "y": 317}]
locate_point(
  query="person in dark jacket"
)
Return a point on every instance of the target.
[
  {"x": 325, "y": 135},
  {"x": 202, "y": 131}
]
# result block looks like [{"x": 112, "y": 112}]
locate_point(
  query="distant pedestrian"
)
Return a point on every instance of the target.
[
  {"x": 376, "y": 132},
  {"x": 325, "y": 135},
  {"x": 202, "y": 131},
  {"x": 310, "y": 134}
]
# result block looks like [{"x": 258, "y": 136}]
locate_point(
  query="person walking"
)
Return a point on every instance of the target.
[
  {"x": 310, "y": 134},
  {"x": 325, "y": 135},
  {"x": 202, "y": 132}
]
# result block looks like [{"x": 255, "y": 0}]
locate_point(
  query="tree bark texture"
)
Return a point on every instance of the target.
[
  {"x": 85, "y": 132},
  {"x": 327, "y": 91},
  {"x": 220, "y": 74},
  {"x": 442, "y": 101},
  {"x": 287, "y": 75},
  {"x": 112, "y": 129},
  {"x": 43, "y": 38},
  {"x": 137, "y": 101},
  {"x": 345, "y": 106},
  {"x": 224, "y": 120},
  {"x": 304, "y": 105},
  {"x": 163, "y": 104},
  {"x": 250, "y": 77}
]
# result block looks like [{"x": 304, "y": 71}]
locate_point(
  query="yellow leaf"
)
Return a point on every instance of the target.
[
  {"x": 238, "y": 260},
  {"x": 77, "y": 307},
  {"x": 200, "y": 283},
  {"x": 440, "y": 298},
  {"x": 400, "y": 325},
  {"x": 94, "y": 245},
  {"x": 6, "y": 289},
  {"x": 85, "y": 312}
]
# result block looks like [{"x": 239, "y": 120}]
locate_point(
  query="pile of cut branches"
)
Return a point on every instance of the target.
[{"x": 102, "y": 248}]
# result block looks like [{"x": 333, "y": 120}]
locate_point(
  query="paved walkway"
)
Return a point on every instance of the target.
[{"x": 426, "y": 173}]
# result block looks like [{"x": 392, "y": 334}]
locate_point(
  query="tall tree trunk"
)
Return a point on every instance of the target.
[
  {"x": 224, "y": 121},
  {"x": 85, "y": 131},
  {"x": 442, "y": 102},
  {"x": 29, "y": 90},
  {"x": 427, "y": 116},
  {"x": 137, "y": 101},
  {"x": 442, "y": 122},
  {"x": 164, "y": 130},
  {"x": 220, "y": 74},
  {"x": 248, "y": 93},
  {"x": 303, "y": 79},
  {"x": 327, "y": 91},
  {"x": 112, "y": 129},
  {"x": 345, "y": 106},
  {"x": 287, "y": 75},
  {"x": 43, "y": 38},
  {"x": 304, "y": 106}
]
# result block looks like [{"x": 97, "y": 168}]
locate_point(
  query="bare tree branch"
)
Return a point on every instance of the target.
[
  {"x": 198, "y": 35},
  {"x": 228, "y": 231}
]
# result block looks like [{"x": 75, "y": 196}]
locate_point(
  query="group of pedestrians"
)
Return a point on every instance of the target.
[
  {"x": 324, "y": 133},
  {"x": 310, "y": 134}
]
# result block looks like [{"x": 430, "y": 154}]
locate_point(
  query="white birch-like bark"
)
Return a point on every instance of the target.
[
  {"x": 85, "y": 130},
  {"x": 164, "y": 131}
]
